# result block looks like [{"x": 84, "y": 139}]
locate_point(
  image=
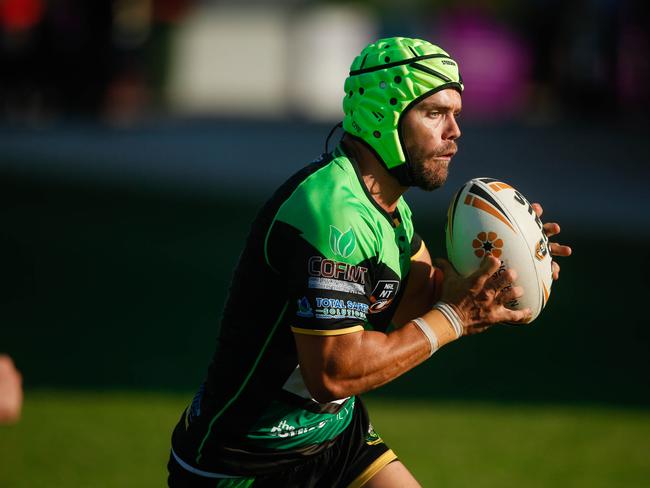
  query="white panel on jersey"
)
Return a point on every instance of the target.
[{"x": 296, "y": 385}]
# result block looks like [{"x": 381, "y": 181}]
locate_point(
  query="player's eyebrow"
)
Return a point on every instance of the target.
[{"x": 438, "y": 106}]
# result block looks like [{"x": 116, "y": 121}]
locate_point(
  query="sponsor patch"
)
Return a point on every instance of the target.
[
  {"x": 335, "y": 285},
  {"x": 285, "y": 429},
  {"x": 336, "y": 308},
  {"x": 372, "y": 437},
  {"x": 328, "y": 268},
  {"x": 342, "y": 243},
  {"x": 304, "y": 308},
  {"x": 383, "y": 294}
]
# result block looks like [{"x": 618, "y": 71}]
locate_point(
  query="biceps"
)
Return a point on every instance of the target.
[
  {"x": 319, "y": 355},
  {"x": 324, "y": 359}
]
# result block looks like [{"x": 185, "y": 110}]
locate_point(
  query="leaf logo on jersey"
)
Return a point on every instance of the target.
[{"x": 342, "y": 243}]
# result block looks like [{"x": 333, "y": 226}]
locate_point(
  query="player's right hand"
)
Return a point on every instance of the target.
[{"x": 480, "y": 299}]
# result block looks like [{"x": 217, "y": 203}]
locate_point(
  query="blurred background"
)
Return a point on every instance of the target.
[{"x": 138, "y": 138}]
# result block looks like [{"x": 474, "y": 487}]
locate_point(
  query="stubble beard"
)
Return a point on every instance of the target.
[{"x": 427, "y": 172}]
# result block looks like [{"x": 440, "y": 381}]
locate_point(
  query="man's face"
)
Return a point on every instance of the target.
[{"x": 429, "y": 132}]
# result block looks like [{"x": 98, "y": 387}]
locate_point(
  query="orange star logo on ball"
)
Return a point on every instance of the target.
[{"x": 487, "y": 243}]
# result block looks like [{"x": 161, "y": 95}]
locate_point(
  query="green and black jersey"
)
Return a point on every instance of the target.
[{"x": 322, "y": 258}]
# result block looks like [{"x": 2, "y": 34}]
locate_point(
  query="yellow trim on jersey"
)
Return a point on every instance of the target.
[
  {"x": 378, "y": 440},
  {"x": 420, "y": 251},
  {"x": 321, "y": 332},
  {"x": 376, "y": 466}
]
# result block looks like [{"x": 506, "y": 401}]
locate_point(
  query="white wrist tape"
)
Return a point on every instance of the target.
[
  {"x": 428, "y": 332},
  {"x": 451, "y": 315}
]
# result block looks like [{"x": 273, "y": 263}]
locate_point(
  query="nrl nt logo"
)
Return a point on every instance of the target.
[{"x": 342, "y": 243}]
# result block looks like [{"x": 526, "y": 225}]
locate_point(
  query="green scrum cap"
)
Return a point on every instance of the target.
[{"x": 386, "y": 79}]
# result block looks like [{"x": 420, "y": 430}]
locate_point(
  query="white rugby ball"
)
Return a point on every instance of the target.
[{"x": 488, "y": 216}]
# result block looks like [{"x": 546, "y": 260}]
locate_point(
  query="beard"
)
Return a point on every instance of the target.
[{"x": 428, "y": 173}]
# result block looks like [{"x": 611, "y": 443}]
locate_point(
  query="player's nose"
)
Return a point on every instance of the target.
[{"x": 452, "y": 131}]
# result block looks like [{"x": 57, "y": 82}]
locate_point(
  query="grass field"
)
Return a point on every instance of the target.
[{"x": 83, "y": 439}]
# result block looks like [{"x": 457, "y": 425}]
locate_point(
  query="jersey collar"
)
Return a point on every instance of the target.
[{"x": 395, "y": 220}]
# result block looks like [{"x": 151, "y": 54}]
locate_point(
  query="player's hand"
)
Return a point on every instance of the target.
[
  {"x": 552, "y": 229},
  {"x": 480, "y": 299}
]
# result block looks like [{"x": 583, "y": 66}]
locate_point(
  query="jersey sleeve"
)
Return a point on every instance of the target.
[
  {"x": 326, "y": 260},
  {"x": 417, "y": 245}
]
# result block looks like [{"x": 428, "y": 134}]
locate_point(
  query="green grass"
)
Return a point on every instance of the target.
[
  {"x": 82, "y": 439},
  {"x": 488, "y": 445}
]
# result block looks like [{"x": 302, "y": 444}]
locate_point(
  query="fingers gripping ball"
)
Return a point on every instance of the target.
[{"x": 490, "y": 218}]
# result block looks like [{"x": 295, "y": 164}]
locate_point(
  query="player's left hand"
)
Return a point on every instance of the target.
[{"x": 552, "y": 229}]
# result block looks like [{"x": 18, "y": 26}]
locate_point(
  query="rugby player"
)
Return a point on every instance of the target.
[{"x": 335, "y": 294}]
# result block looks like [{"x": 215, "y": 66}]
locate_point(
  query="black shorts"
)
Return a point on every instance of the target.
[{"x": 355, "y": 457}]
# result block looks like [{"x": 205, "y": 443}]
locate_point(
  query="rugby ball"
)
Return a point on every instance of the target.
[{"x": 488, "y": 216}]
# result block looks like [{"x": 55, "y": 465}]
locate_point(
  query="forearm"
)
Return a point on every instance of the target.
[
  {"x": 422, "y": 290},
  {"x": 366, "y": 360},
  {"x": 414, "y": 305}
]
